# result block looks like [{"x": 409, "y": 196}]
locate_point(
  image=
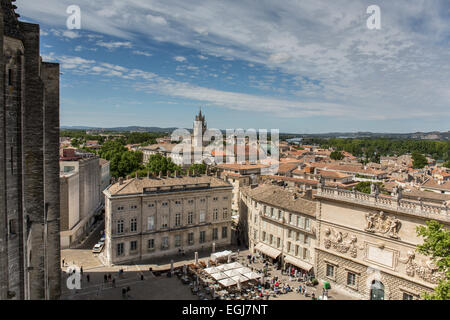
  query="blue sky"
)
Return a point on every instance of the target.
[{"x": 299, "y": 66}]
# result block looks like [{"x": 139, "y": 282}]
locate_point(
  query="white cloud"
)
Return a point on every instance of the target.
[
  {"x": 280, "y": 57},
  {"x": 156, "y": 20},
  {"x": 114, "y": 45},
  {"x": 180, "y": 59},
  {"x": 142, "y": 53},
  {"x": 70, "y": 34}
]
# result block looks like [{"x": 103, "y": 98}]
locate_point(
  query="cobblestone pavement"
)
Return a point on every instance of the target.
[{"x": 161, "y": 287}]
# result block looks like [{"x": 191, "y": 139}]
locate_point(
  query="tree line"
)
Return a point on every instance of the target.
[{"x": 373, "y": 148}]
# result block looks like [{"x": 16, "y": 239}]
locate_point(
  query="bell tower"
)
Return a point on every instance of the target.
[{"x": 199, "y": 129}]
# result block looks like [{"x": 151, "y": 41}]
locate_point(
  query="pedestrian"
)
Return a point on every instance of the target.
[
  {"x": 81, "y": 270},
  {"x": 63, "y": 263},
  {"x": 114, "y": 282},
  {"x": 109, "y": 276},
  {"x": 142, "y": 277},
  {"x": 88, "y": 277},
  {"x": 105, "y": 278},
  {"x": 253, "y": 259}
]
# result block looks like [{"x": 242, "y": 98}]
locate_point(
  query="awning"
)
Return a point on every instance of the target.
[
  {"x": 298, "y": 263},
  {"x": 219, "y": 276},
  {"x": 267, "y": 250}
]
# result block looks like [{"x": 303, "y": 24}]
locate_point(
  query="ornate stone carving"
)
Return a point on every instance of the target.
[
  {"x": 337, "y": 243},
  {"x": 428, "y": 272},
  {"x": 383, "y": 224}
]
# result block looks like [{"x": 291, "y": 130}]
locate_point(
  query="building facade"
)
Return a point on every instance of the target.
[
  {"x": 29, "y": 173},
  {"x": 81, "y": 203},
  {"x": 154, "y": 217},
  {"x": 281, "y": 224},
  {"x": 367, "y": 244}
]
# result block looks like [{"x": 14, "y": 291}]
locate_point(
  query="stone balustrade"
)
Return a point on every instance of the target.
[{"x": 388, "y": 203}]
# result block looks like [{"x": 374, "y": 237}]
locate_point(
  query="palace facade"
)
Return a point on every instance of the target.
[
  {"x": 163, "y": 216},
  {"x": 363, "y": 244}
]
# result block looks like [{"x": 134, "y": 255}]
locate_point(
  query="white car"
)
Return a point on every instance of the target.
[{"x": 98, "y": 248}]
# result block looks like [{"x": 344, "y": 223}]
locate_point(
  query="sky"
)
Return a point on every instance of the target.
[{"x": 305, "y": 66}]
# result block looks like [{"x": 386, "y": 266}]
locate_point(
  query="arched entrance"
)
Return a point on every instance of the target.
[{"x": 377, "y": 290}]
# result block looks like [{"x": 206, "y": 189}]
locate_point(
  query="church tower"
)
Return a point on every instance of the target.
[{"x": 199, "y": 129}]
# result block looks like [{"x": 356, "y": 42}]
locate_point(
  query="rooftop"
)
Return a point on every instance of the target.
[
  {"x": 237, "y": 166},
  {"x": 281, "y": 197},
  {"x": 149, "y": 185},
  {"x": 440, "y": 185}
]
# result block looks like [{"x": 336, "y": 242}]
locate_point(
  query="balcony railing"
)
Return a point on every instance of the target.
[{"x": 388, "y": 203}]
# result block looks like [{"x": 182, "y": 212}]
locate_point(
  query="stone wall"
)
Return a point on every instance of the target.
[
  {"x": 50, "y": 78},
  {"x": 29, "y": 142},
  {"x": 394, "y": 286}
]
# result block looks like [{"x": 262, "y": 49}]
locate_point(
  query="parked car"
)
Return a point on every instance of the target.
[{"x": 98, "y": 248}]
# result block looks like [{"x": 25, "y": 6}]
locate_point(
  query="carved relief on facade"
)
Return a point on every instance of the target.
[
  {"x": 427, "y": 271},
  {"x": 337, "y": 242},
  {"x": 380, "y": 223}
]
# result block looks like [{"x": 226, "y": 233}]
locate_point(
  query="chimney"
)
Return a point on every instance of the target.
[
  {"x": 160, "y": 174},
  {"x": 168, "y": 173},
  {"x": 176, "y": 173},
  {"x": 120, "y": 181},
  {"x": 128, "y": 177},
  {"x": 294, "y": 196},
  {"x": 148, "y": 174}
]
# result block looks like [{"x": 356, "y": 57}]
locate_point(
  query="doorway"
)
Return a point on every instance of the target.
[{"x": 377, "y": 290}]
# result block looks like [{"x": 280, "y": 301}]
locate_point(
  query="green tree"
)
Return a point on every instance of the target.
[
  {"x": 198, "y": 168},
  {"x": 337, "y": 155},
  {"x": 437, "y": 246},
  {"x": 158, "y": 163},
  {"x": 419, "y": 160},
  {"x": 365, "y": 186},
  {"x": 123, "y": 162}
]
